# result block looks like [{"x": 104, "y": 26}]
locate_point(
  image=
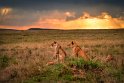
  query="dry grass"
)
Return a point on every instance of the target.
[{"x": 29, "y": 51}]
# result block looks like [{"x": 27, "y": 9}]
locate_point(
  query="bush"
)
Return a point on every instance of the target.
[
  {"x": 4, "y": 61},
  {"x": 78, "y": 62},
  {"x": 93, "y": 64}
]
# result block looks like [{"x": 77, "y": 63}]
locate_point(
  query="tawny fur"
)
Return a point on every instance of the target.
[
  {"x": 77, "y": 51},
  {"x": 50, "y": 63}
]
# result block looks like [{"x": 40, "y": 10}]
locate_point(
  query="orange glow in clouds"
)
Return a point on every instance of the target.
[
  {"x": 103, "y": 21},
  {"x": 5, "y": 11}
]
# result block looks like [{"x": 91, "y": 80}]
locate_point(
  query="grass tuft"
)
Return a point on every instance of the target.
[{"x": 4, "y": 61}]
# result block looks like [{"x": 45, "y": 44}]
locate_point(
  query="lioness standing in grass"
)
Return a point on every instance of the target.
[
  {"x": 77, "y": 51},
  {"x": 59, "y": 53}
]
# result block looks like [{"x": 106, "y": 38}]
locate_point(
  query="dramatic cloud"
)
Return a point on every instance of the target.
[
  {"x": 86, "y": 21},
  {"x": 58, "y": 20},
  {"x": 62, "y": 14}
]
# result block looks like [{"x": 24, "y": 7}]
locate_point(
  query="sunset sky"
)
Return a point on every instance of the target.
[{"x": 62, "y": 14}]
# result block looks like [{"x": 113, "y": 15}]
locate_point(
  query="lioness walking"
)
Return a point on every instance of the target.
[
  {"x": 77, "y": 51},
  {"x": 59, "y": 53}
]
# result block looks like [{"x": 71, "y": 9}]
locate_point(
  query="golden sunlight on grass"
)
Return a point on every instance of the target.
[{"x": 24, "y": 54}]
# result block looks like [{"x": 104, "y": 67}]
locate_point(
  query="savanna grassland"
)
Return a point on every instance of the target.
[{"x": 24, "y": 54}]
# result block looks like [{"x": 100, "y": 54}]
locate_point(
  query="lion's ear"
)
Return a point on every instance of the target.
[
  {"x": 55, "y": 42},
  {"x": 72, "y": 42}
]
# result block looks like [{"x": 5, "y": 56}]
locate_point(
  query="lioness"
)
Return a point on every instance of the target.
[
  {"x": 77, "y": 51},
  {"x": 59, "y": 53}
]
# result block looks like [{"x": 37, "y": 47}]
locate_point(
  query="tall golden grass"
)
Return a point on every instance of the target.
[{"x": 29, "y": 51}]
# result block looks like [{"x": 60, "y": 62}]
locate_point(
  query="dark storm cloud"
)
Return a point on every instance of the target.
[
  {"x": 19, "y": 18},
  {"x": 52, "y": 3},
  {"x": 92, "y": 6}
]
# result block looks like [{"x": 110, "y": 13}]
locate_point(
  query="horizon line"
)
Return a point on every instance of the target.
[{"x": 57, "y": 29}]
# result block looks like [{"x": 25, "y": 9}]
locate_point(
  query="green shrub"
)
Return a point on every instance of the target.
[
  {"x": 68, "y": 77},
  {"x": 93, "y": 64},
  {"x": 4, "y": 61},
  {"x": 78, "y": 62}
]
